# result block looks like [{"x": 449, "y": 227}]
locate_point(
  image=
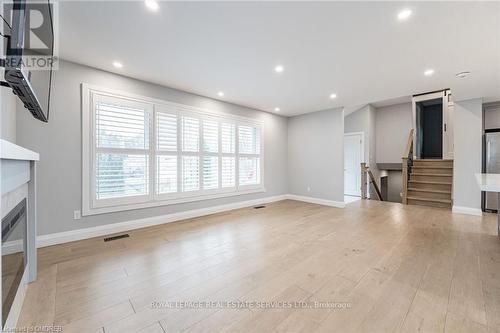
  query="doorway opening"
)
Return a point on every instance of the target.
[
  {"x": 430, "y": 125},
  {"x": 433, "y": 124}
]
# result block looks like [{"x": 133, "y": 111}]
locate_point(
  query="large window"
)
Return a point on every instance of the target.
[{"x": 139, "y": 152}]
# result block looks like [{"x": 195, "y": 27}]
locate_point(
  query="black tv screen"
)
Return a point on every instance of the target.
[{"x": 30, "y": 55}]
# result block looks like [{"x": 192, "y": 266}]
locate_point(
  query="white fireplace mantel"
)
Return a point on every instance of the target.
[{"x": 11, "y": 151}]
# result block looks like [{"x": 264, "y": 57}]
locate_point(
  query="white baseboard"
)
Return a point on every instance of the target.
[
  {"x": 108, "y": 229},
  {"x": 74, "y": 235},
  {"x": 467, "y": 210},
  {"x": 79, "y": 234},
  {"x": 324, "y": 202}
]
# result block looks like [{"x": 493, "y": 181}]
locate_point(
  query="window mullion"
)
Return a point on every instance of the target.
[
  {"x": 190, "y": 153},
  {"x": 93, "y": 152},
  {"x": 153, "y": 167},
  {"x": 237, "y": 157},
  {"x": 201, "y": 152},
  {"x": 129, "y": 151},
  {"x": 249, "y": 155},
  {"x": 219, "y": 153},
  {"x": 165, "y": 153},
  {"x": 180, "y": 184}
]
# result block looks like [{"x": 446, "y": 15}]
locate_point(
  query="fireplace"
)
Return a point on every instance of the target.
[{"x": 13, "y": 257}]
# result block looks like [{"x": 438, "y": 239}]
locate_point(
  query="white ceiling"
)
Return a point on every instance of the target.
[{"x": 358, "y": 50}]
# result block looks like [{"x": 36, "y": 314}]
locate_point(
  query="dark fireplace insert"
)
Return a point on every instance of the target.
[{"x": 13, "y": 260}]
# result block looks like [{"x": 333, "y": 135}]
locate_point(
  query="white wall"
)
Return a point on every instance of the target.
[
  {"x": 59, "y": 143},
  {"x": 316, "y": 155},
  {"x": 8, "y": 103},
  {"x": 467, "y": 155},
  {"x": 393, "y": 124}
]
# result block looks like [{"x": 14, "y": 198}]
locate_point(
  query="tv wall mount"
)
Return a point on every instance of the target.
[{"x": 2, "y": 60}]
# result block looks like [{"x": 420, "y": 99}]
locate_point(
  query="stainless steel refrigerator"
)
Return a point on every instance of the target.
[{"x": 492, "y": 166}]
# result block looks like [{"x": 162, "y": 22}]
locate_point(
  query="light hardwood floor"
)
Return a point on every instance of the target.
[{"x": 399, "y": 268}]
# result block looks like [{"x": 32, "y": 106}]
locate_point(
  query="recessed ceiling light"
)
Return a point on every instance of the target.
[
  {"x": 117, "y": 64},
  {"x": 462, "y": 75},
  {"x": 428, "y": 72},
  {"x": 333, "y": 96},
  {"x": 277, "y": 109},
  {"x": 404, "y": 14},
  {"x": 279, "y": 69},
  {"x": 220, "y": 93},
  {"x": 151, "y": 4}
]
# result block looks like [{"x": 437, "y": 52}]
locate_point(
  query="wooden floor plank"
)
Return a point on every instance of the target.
[
  {"x": 461, "y": 324},
  {"x": 388, "y": 267},
  {"x": 40, "y": 302},
  {"x": 466, "y": 293}
]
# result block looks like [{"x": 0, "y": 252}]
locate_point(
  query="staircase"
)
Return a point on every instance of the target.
[{"x": 430, "y": 183}]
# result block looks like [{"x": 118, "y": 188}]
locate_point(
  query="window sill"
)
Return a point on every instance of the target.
[{"x": 157, "y": 203}]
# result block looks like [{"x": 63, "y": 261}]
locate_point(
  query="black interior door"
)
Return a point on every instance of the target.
[{"x": 432, "y": 130}]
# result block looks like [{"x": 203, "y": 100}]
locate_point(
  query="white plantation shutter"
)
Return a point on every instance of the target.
[
  {"x": 228, "y": 160},
  {"x": 228, "y": 138},
  {"x": 210, "y": 172},
  {"x": 121, "y": 175},
  {"x": 249, "y": 139},
  {"x": 166, "y": 174},
  {"x": 190, "y": 129},
  {"x": 210, "y": 136},
  {"x": 166, "y": 129},
  {"x": 210, "y": 154},
  {"x": 166, "y": 150},
  {"x": 119, "y": 126},
  {"x": 190, "y": 173},
  {"x": 121, "y": 157},
  {"x": 146, "y": 153},
  {"x": 249, "y": 170},
  {"x": 228, "y": 171},
  {"x": 249, "y": 155}
]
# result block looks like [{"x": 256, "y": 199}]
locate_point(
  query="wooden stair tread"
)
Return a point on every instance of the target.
[
  {"x": 432, "y": 167},
  {"x": 430, "y": 200},
  {"x": 427, "y": 190},
  {"x": 428, "y": 182},
  {"x": 431, "y": 174}
]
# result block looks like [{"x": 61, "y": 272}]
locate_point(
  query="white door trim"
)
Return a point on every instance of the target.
[
  {"x": 447, "y": 109},
  {"x": 362, "y": 150},
  {"x": 448, "y": 145}
]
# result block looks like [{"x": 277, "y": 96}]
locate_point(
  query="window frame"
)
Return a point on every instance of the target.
[
  {"x": 130, "y": 151},
  {"x": 92, "y": 206}
]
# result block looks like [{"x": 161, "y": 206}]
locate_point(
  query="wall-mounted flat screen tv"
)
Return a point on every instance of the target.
[{"x": 30, "y": 55}]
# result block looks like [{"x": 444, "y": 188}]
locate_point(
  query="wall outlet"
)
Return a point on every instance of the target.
[
  {"x": 309, "y": 189},
  {"x": 77, "y": 214}
]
